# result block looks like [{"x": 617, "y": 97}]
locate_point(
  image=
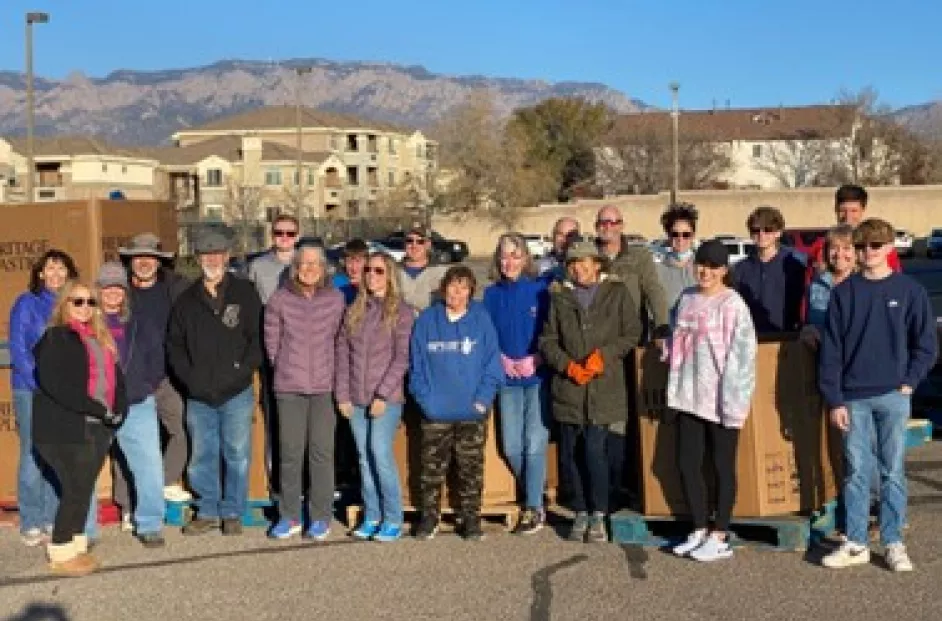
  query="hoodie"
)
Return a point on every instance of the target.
[{"x": 518, "y": 309}]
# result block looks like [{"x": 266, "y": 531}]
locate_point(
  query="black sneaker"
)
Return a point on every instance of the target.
[
  {"x": 531, "y": 521},
  {"x": 200, "y": 526},
  {"x": 471, "y": 529},
  {"x": 427, "y": 528},
  {"x": 151, "y": 540},
  {"x": 232, "y": 527}
]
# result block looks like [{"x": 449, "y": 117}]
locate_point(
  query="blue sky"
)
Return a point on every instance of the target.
[{"x": 748, "y": 52}]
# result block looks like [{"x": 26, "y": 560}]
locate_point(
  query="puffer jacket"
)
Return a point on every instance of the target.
[
  {"x": 28, "y": 319},
  {"x": 372, "y": 361}
]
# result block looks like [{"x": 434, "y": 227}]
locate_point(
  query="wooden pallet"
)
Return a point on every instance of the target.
[
  {"x": 780, "y": 533},
  {"x": 506, "y": 514}
]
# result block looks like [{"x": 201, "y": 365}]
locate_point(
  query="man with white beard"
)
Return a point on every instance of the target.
[{"x": 214, "y": 348}]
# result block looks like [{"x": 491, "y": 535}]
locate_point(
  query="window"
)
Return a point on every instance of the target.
[
  {"x": 370, "y": 207},
  {"x": 272, "y": 177},
  {"x": 372, "y": 176},
  {"x": 757, "y": 150},
  {"x": 372, "y": 143},
  {"x": 419, "y": 151},
  {"x": 334, "y": 143},
  {"x": 213, "y": 212},
  {"x": 104, "y": 168},
  {"x": 392, "y": 177},
  {"x": 124, "y": 170},
  {"x": 353, "y": 209},
  {"x": 353, "y": 144},
  {"x": 311, "y": 177},
  {"x": 392, "y": 146},
  {"x": 213, "y": 178},
  {"x": 353, "y": 175}
]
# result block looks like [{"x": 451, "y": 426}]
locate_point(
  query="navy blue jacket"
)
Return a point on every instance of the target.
[
  {"x": 146, "y": 365},
  {"x": 878, "y": 336},
  {"x": 773, "y": 291},
  {"x": 518, "y": 309}
]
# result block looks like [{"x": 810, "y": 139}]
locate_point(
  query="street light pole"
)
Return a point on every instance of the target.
[
  {"x": 31, "y": 18},
  {"x": 297, "y": 117},
  {"x": 675, "y": 118}
]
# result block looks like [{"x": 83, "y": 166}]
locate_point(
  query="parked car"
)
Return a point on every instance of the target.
[
  {"x": 738, "y": 248},
  {"x": 538, "y": 245},
  {"x": 635, "y": 239},
  {"x": 903, "y": 243},
  {"x": 934, "y": 244},
  {"x": 443, "y": 250}
]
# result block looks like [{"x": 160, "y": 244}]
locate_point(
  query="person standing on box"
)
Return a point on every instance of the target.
[
  {"x": 214, "y": 349},
  {"x": 593, "y": 324},
  {"x": 879, "y": 342},
  {"x": 302, "y": 321},
  {"x": 454, "y": 374},
  {"x": 712, "y": 356}
]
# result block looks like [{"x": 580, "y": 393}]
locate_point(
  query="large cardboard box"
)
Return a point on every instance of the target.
[{"x": 784, "y": 462}]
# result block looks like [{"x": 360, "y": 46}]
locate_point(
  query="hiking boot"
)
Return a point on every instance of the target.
[
  {"x": 232, "y": 527},
  {"x": 64, "y": 560},
  {"x": 531, "y": 521},
  {"x": 151, "y": 540},
  {"x": 848, "y": 555},
  {"x": 427, "y": 528},
  {"x": 580, "y": 526},
  {"x": 597, "y": 532},
  {"x": 897, "y": 559},
  {"x": 200, "y": 526},
  {"x": 471, "y": 529}
]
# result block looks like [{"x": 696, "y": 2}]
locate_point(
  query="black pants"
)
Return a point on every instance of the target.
[
  {"x": 77, "y": 467},
  {"x": 693, "y": 433},
  {"x": 586, "y": 465}
]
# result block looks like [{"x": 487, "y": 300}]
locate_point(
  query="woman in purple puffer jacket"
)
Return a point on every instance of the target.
[
  {"x": 302, "y": 320},
  {"x": 372, "y": 359}
]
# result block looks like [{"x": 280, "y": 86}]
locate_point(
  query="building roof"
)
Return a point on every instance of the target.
[
  {"x": 229, "y": 148},
  {"x": 70, "y": 146},
  {"x": 284, "y": 117},
  {"x": 752, "y": 124}
]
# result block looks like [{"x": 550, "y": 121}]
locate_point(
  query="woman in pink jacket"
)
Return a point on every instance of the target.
[{"x": 372, "y": 358}]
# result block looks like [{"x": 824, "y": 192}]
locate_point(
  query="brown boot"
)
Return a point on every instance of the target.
[
  {"x": 65, "y": 561},
  {"x": 82, "y": 547}
]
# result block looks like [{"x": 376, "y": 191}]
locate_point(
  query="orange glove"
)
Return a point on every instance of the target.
[
  {"x": 594, "y": 363},
  {"x": 577, "y": 373}
]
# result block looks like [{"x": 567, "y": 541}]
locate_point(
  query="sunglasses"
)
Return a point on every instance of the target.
[
  {"x": 681, "y": 234},
  {"x": 80, "y": 302},
  {"x": 761, "y": 229},
  {"x": 874, "y": 245},
  {"x": 415, "y": 241},
  {"x": 379, "y": 271},
  {"x": 608, "y": 222},
  {"x": 282, "y": 233}
]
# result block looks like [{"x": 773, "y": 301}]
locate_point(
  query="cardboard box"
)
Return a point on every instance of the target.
[{"x": 784, "y": 462}]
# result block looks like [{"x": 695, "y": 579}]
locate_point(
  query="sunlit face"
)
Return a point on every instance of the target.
[
  {"x": 353, "y": 266},
  {"x": 681, "y": 236},
  {"x": 710, "y": 277},
  {"x": 850, "y": 212},
  {"x": 214, "y": 265},
  {"x": 609, "y": 224},
  {"x": 585, "y": 271},
  {"x": 310, "y": 264},
  {"x": 562, "y": 233},
  {"x": 284, "y": 234},
  {"x": 512, "y": 261},
  {"x": 873, "y": 255},
  {"x": 417, "y": 248},
  {"x": 376, "y": 276},
  {"x": 457, "y": 295},
  {"x": 765, "y": 237},
  {"x": 841, "y": 256},
  {"x": 81, "y": 304},
  {"x": 112, "y": 299},
  {"x": 144, "y": 269},
  {"x": 54, "y": 274}
]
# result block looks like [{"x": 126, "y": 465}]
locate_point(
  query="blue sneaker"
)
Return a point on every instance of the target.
[
  {"x": 285, "y": 529},
  {"x": 318, "y": 530},
  {"x": 366, "y": 530},
  {"x": 388, "y": 532}
]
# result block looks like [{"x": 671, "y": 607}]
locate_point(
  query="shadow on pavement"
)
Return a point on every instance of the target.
[
  {"x": 542, "y": 589},
  {"x": 41, "y": 612}
]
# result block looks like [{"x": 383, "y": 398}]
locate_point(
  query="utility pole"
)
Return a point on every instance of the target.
[
  {"x": 31, "y": 18},
  {"x": 675, "y": 118},
  {"x": 297, "y": 114}
]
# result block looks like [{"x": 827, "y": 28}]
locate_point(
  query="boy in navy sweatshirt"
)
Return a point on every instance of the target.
[{"x": 879, "y": 342}]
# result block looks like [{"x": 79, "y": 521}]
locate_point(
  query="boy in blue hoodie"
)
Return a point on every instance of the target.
[
  {"x": 454, "y": 374},
  {"x": 879, "y": 342}
]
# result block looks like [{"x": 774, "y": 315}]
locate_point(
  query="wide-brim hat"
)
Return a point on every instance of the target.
[
  {"x": 210, "y": 241},
  {"x": 145, "y": 245}
]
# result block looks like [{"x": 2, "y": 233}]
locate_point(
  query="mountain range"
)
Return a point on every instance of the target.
[{"x": 146, "y": 107}]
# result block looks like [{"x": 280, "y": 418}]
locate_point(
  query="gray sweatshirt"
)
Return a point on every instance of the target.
[
  {"x": 267, "y": 273},
  {"x": 674, "y": 279},
  {"x": 419, "y": 292}
]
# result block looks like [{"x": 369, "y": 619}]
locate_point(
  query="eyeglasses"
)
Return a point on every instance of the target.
[
  {"x": 379, "y": 271},
  {"x": 681, "y": 234},
  {"x": 874, "y": 245},
  {"x": 80, "y": 302},
  {"x": 283, "y": 233},
  {"x": 755, "y": 230},
  {"x": 607, "y": 222},
  {"x": 415, "y": 241}
]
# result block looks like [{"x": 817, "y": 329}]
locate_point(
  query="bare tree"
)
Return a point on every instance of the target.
[
  {"x": 796, "y": 162},
  {"x": 242, "y": 208}
]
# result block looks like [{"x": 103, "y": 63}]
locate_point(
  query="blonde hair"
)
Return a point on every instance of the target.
[
  {"x": 391, "y": 301},
  {"x": 125, "y": 312},
  {"x": 60, "y": 314},
  {"x": 514, "y": 241}
]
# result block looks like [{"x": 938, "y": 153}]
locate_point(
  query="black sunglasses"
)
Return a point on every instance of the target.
[
  {"x": 755, "y": 230},
  {"x": 681, "y": 234},
  {"x": 80, "y": 302},
  {"x": 874, "y": 245},
  {"x": 379, "y": 271},
  {"x": 415, "y": 241},
  {"x": 281, "y": 233}
]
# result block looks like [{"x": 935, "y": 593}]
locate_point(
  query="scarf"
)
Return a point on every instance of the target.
[{"x": 101, "y": 373}]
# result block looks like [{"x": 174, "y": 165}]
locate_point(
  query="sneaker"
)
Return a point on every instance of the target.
[
  {"x": 897, "y": 558},
  {"x": 580, "y": 526},
  {"x": 531, "y": 521},
  {"x": 285, "y": 529},
  {"x": 712, "y": 549},
  {"x": 232, "y": 527},
  {"x": 176, "y": 493},
  {"x": 151, "y": 540},
  {"x": 127, "y": 523},
  {"x": 318, "y": 530},
  {"x": 597, "y": 532},
  {"x": 427, "y": 528},
  {"x": 388, "y": 533},
  {"x": 471, "y": 529},
  {"x": 366, "y": 531},
  {"x": 33, "y": 537},
  {"x": 200, "y": 526},
  {"x": 848, "y": 555},
  {"x": 694, "y": 541}
]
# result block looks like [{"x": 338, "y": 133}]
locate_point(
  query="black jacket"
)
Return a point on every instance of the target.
[
  {"x": 61, "y": 402},
  {"x": 214, "y": 344}
]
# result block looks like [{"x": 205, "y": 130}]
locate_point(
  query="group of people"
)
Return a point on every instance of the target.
[{"x": 551, "y": 342}]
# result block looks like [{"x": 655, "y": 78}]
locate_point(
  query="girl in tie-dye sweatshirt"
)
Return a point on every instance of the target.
[{"x": 712, "y": 357}]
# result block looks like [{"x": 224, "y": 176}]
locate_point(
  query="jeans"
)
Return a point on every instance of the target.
[
  {"x": 524, "y": 434},
  {"x": 886, "y": 415},
  {"x": 224, "y": 431},
  {"x": 139, "y": 441},
  {"x": 36, "y": 494},
  {"x": 379, "y": 475},
  {"x": 586, "y": 465}
]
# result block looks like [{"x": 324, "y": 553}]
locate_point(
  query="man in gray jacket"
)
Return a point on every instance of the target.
[{"x": 420, "y": 280}]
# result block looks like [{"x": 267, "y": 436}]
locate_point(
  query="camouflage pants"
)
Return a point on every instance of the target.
[{"x": 464, "y": 441}]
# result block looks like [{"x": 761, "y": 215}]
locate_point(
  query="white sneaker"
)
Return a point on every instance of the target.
[
  {"x": 33, "y": 537},
  {"x": 897, "y": 558},
  {"x": 694, "y": 541},
  {"x": 127, "y": 524},
  {"x": 713, "y": 549},
  {"x": 848, "y": 555},
  {"x": 176, "y": 493}
]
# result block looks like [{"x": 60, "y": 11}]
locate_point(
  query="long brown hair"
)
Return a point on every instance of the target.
[
  {"x": 391, "y": 301},
  {"x": 60, "y": 314}
]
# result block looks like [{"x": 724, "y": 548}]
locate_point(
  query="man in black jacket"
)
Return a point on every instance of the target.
[{"x": 214, "y": 350}]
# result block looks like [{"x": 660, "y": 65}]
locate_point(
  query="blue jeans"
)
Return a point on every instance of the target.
[
  {"x": 887, "y": 416},
  {"x": 139, "y": 440},
  {"x": 36, "y": 495},
  {"x": 224, "y": 431},
  {"x": 585, "y": 465},
  {"x": 379, "y": 475},
  {"x": 524, "y": 434}
]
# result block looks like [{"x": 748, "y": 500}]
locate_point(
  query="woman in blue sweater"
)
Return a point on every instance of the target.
[
  {"x": 454, "y": 374},
  {"x": 518, "y": 304}
]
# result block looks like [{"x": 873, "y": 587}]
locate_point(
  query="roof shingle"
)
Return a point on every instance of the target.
[
  {"x": 229, "y": 148},
  {"x": 284, "y": 117}
]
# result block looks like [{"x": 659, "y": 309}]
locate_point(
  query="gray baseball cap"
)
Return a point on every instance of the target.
[{"x": 211, "y": 241}]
